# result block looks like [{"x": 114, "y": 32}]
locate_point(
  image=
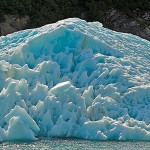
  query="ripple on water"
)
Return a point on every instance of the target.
[{"x": 74, "y": 144}]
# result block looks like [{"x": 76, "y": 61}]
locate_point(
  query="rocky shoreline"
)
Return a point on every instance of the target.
[{"x": 136, "y": 22}]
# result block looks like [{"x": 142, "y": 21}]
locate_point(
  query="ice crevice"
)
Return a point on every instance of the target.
[{"x": 74, "y": 79}]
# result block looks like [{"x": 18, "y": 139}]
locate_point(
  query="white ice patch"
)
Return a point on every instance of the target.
[
  {"x": 17, "y": 130},
  {"x": 74, "y": 79}
]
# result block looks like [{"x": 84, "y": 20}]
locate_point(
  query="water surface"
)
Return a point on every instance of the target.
[{"x": 75, "y": 144}]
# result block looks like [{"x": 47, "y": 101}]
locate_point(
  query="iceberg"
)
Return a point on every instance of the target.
[{"x": 77, "y": 79}]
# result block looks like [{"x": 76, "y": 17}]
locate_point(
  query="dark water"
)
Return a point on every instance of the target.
[{"x": 75, "y": 144}]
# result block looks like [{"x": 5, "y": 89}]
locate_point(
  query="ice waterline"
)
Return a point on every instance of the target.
[{"x": 74, "y": 79}]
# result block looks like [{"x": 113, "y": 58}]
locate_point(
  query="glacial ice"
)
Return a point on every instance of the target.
[{"x": 74, "y": 79}]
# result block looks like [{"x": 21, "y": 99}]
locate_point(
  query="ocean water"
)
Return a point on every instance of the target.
[{"x": 75, "y": 144}]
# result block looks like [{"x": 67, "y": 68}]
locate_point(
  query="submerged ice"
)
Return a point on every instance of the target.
[{"x": 74, "y": 79}]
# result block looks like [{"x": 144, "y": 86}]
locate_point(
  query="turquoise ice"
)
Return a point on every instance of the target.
[{"x": 74, "y": 79}]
